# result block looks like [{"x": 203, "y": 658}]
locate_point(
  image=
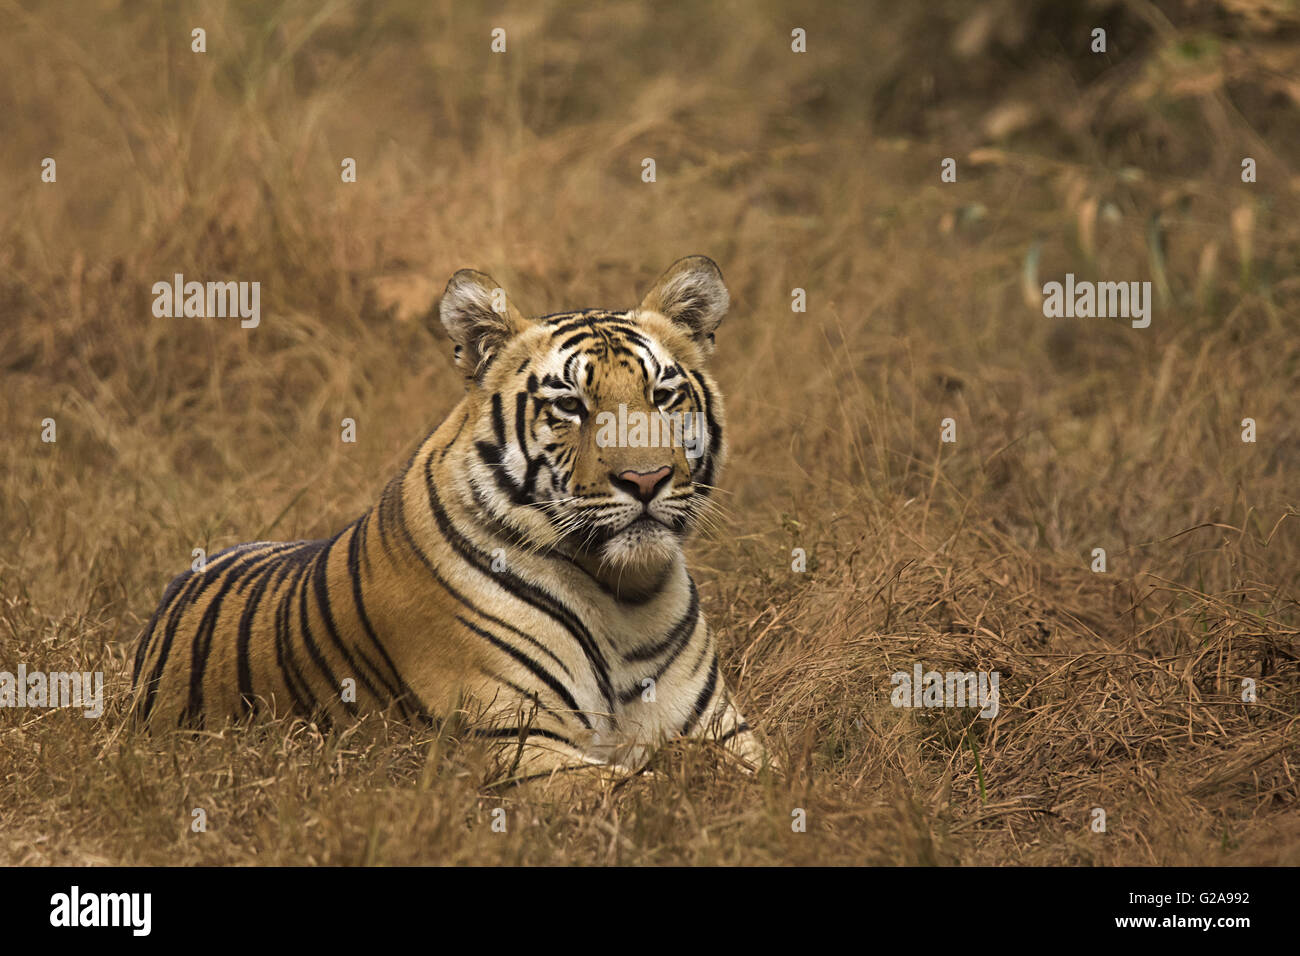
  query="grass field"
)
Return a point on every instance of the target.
[{"x": 1120, "y": 690}]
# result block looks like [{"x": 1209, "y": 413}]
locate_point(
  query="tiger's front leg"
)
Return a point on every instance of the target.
[
  {"x": 739, "y": 738},
  {"x": 559, "y": 773},
  {"x": 544, "y": 751},
  {"x": 726, "y": 726}
]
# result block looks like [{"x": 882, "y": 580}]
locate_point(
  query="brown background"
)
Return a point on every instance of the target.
[{"x": 820, "y": 171}]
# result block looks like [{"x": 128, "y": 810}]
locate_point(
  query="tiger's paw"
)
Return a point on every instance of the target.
[{"x": 752, "y": 755}]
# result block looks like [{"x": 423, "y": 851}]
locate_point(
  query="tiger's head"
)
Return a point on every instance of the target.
[{"x": 596, "y": 434}]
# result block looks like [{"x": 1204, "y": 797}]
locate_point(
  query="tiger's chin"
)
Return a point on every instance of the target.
[
  {"x": 635, "y": 559},
  {"x": 644, "y": 543}
]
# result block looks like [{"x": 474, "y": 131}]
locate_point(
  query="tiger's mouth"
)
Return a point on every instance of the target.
[
  {"x": 643, "y": 520},
  {"x": 642, "y": 526},
  {"x": 645, "y": 538}
]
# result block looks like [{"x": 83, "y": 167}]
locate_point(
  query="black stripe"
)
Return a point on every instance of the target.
[
  {"x": 230, "y": 573},
  {"x": 534, "y": 464},
  {"x": 442, "y": 582},
  {"x": 142, "y": 649},
  {"x": 740, "y": 728},
  {"x": 523, "y": 692},
  {"x": 706, "y": 695},
  {"x": 524, "y": 591},
  {"x": 304, "y": 702},
  {"x": 537, "y": 669},
  {"x": 592, "y": 318},
  {"x": 304, "y": 624},
  {"x": 676, "y": 635},
  {"x": 706, "y": 645},
  {"x": 321, "y": 584},
  {"x": 406, "y": 694},
  {"x": 699, "y": 391},
  {"x": 197, "y": 582},
  {"x": 675, "y": 641},
  {"x": 247, "y": 700},
  {"x": 577, "y": 339},
  {"x": 627, "y": 600},
  {"x": 498, "y": 420},
  {"x": 497, "y": 733},
  {"x": 494, "y": 457},
  {"x": 459, "y": 428}
]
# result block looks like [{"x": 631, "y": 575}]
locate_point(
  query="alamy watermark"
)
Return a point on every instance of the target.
[
  {"x": 130, "y": 910},
  {"x": 53, "y": 689},
  {"x": 208, "y": 300},
  {"x": 922, "y": 688},
  {"x": 1098, "y": 300},
  {"x": 656, "y": 429}
]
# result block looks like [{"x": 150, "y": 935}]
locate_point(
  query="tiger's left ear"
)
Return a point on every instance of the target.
[
  {"x": 691, "y": 295},
  {"x": 479, "y": 318}
]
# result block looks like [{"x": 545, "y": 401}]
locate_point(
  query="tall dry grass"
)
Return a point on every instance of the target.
[{"x": 1120, "y": 691}]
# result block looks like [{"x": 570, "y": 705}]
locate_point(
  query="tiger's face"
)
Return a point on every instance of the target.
[{"x": 598, "y": 434}]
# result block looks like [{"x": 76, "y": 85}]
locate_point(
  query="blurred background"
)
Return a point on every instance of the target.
[{"x": 816, "y": 170}]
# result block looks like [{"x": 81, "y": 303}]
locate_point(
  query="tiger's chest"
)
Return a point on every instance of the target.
[{"x": 637, "y": 670}]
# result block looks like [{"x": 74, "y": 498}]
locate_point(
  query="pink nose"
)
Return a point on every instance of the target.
[{"x": 642, "y": 484}]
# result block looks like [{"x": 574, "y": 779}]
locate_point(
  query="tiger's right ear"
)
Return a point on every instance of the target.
[{"x": 479, "y": 317}]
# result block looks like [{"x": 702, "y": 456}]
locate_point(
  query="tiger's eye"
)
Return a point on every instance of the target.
[
  {"x": 569, "y": 405},
  {"x": 663, "y": 396}
]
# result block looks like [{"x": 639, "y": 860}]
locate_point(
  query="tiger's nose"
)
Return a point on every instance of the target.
[{"x": 642, "y": 485}]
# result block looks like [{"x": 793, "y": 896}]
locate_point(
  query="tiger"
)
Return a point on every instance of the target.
[{"x": 525, "y": 571}]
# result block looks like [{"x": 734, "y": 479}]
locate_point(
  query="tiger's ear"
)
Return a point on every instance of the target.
[
  {"x": 479, "y": 318},
  {"x": 691, "y": 294}
]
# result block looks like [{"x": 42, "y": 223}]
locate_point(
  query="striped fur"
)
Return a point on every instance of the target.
[{"x": 506, "y": 575}]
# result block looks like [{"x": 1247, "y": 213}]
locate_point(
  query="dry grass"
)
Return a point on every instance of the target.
[{"x": 1119, "y": 690}]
